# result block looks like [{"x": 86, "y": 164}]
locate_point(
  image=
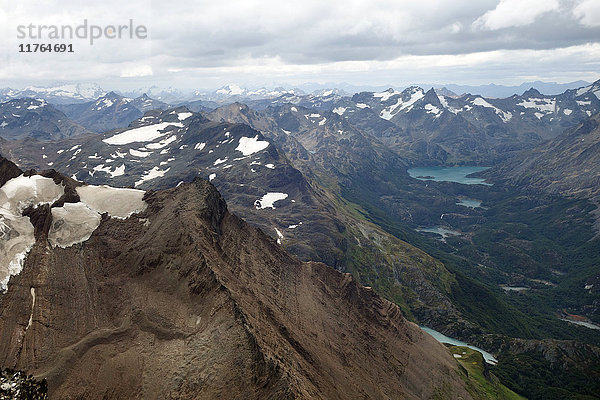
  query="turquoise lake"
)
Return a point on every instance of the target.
[
  {"x": 489, "y": 358},
  {"x": 448, "y": 174}
]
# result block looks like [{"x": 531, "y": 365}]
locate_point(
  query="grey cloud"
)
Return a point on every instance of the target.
[
  {"x": 206, "y": 34},
  {"x": 317, "y": 42}
]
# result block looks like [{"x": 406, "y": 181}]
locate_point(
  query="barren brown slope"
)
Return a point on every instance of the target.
[{"x": 185, "y": 300}]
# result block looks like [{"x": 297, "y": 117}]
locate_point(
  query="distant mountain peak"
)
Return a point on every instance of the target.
[
  {"x": 431, "y": 97},
  {"x": 532, "y": 92},
  {"x": 231, "y": 90},
  {"x": 446, "y": 92},
  {"x": 112, "y": 95}
]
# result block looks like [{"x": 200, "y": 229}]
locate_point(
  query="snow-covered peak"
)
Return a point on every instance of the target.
[
  {"x": 236, "y": 91},
  {"x": 594, "y": 88},
  {"x": 329, "y": 92},
  {"x": 481, "y": 102},
  {"x": 386, "y": 94},
  {"x": 405, "y": 101},
  {"x": 35, "y": 104},
  {"x": 231, "y": 90},
  {"x": 63, "y": 93}
]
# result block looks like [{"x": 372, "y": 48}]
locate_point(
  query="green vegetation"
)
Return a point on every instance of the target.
[
  {"x": 516, "y": 239},
  {"x": 533, "y": 376},
  {"x": 480, "y": 382},
  {"x": 545, "y": 243}
]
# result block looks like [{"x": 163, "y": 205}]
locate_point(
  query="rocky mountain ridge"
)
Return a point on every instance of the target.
[
  {"x": 110, "y": 111},
  {"x": 185, "y": 300},
  {"x": 29, "y": 118}
]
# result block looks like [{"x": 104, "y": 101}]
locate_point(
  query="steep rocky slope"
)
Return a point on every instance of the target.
[
  {"x": 568, "y": 165},
  {"x": 185, "y": 300}
]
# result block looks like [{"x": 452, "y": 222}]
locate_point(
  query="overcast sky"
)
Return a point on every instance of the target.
[{"x": 205, "y": 44}]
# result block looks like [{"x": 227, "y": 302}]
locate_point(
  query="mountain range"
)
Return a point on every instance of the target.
[
  {"x": 325, "y": 176},
  {"x": 110, "y": 111},
  {"x": 36, "y": 119},
  {"x": 165, "y": 148},
  {"x": 76, "y": 93},
  {"x": 62, "y": 94}
]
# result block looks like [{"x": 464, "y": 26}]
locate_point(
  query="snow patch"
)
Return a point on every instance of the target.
[
  {"x": 137, "y": 153},
  {"x": 248, "y": 146},
  {"x": 72, "y": 223},
  {"x": 269, "y": 199},
  {"x": 505, "y": 116},
  {"x": 384, "y": 96},
  {"x": 431, "y": 109},
  {"x": 16, "y": 231},
  {"x": 543, "y": 105},
  {"x": 117, "y": 202},
  {"x": 151, "y": 174},
  {"x": 279, "y": 235},
  {"x": 119, "y": 171},
  {"x": 21, "y": 192},
  {"x": 142, "y": 134},
  {"x": 162, "y": 143},
  {"x": 389, "y": 112}
]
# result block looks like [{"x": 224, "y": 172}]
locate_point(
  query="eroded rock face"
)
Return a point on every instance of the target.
[{"x": 184, "y": 300}]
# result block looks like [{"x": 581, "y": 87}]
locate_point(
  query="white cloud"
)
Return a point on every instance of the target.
[
  {"x": 456, "y": 27},
  {"x": 136, "y": 71},
  {"x": 588, "y": 12},
  {"x": 512, "y": 13}
]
